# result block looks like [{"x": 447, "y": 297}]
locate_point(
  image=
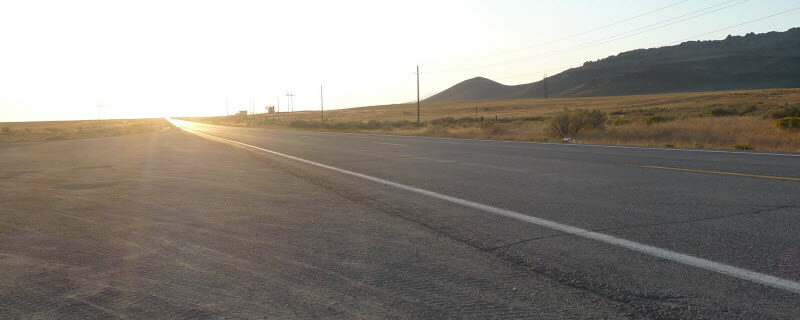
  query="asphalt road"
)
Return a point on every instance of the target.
[{"x": 177, "y": 224}]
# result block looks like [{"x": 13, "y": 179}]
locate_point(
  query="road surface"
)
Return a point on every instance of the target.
[{"x": 249, "y": 223}]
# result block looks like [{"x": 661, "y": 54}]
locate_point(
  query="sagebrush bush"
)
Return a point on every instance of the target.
[
  {"x": 6, "y": 129},
  {"x": 721, "y": 112},
  {"x": 620, "y": 121},
  {"x": 373, "y": 124},
  {"x": 569, "y": 122},
  {"x": 788, "y": 123},
  {"x": 729, "y": 110}
]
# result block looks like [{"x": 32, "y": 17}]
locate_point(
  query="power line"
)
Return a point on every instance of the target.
[
  {"x": 699, "y": 35},
  {"x": 738, "y": 25},
  {"x": 585, "y": 32},
  {"x": 658, "y": 26},
  {"x": 616, "y": 37}
]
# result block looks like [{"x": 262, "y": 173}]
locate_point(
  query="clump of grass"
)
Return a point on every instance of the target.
[
  {"x": 743, "y": 146},
  {"x": 435, "y": 131},
  {"x": 620, "y": 121},
  {"x": 654, "y": 119}
]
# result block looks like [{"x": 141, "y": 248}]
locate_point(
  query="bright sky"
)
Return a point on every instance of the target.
[{"x": 61, "y": 59}]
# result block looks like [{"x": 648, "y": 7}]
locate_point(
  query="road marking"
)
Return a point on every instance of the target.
[
  {"x": 305, "y": 137},
  {"x": 391, "y": 144},
  {"x": 716, "y": 172},
  {"x": 721, "y": 268}
]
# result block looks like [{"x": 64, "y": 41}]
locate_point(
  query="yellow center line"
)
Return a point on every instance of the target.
[
  {"x": 716, "y": 172},
  {"x": 391, "y": 144}
]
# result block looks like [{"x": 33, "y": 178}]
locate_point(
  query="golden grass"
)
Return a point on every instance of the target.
[
  {"x": 63, "y": 130},
  {"x": 538, "y": 107},
  {"x": 706, "y": 132},
  {"x": 690, "y": 129}
]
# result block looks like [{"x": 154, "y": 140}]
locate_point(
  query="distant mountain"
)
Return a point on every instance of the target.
[{"x": 752, "y": 61}]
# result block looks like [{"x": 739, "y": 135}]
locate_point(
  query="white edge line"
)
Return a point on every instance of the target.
[
  {"x": 736, "y": 272},
  {"x": 544, "y": 143}
]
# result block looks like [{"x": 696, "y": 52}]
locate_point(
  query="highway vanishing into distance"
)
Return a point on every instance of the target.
[{"x": 213, "y": 221}]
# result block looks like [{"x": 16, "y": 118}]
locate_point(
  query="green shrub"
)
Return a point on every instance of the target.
[
  {"x": 785, "y": 111},
  {"x": 788, "y": 123},
  {"x": 303, "y": 124},
  {"x": 743, "y": 146},
  {"x": 729, "y": 110},
  {"x": 748, "y": 109},
  {"x": 373, "y": 124},
  {"x": 653, "y": 120},
  {"x": 569, "y": 122},
  {"x": 721, "y": 112}
]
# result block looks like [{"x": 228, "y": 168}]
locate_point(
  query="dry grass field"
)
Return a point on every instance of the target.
[
  {"x": 64, "y": 130},
  {"x": 743, "y": 119}
]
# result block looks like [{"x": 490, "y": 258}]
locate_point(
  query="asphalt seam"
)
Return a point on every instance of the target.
[{"x": 648, "y": 225}]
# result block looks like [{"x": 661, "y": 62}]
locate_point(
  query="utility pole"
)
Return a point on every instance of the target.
[
  {"x": 544, "y": 84},
  {"x": 417, "y": 93},
  {"x": 226, "y": 107},
  {"x": 289, "y": 99},
  {"x": 321, "y": 105}
]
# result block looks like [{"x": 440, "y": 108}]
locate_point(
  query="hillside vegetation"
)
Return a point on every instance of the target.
[
  {"x": 745, "y": 119},
  {"x": 753, "y": 61}
]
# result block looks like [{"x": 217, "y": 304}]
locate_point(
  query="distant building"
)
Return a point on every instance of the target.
[
  {"x": 271, "y": 109},
  {"x": 241, "y": 113}
]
